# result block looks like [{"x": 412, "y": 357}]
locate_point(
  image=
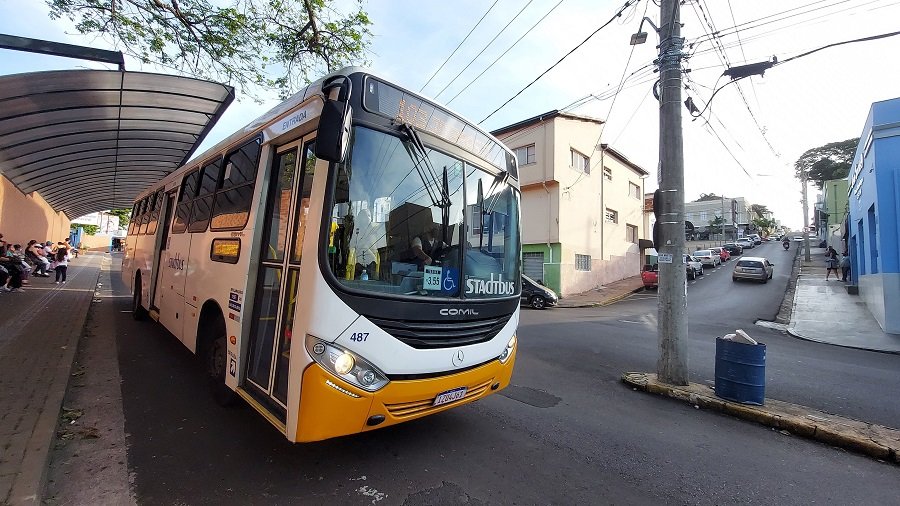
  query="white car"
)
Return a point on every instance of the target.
[
  {"x": 745, "y": 243},
  {"x": 695, "y": 267},
  {"x": 707, "y": 257}
]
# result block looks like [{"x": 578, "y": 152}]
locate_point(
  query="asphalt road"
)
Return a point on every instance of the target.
[{"x": 567, "y": 431}]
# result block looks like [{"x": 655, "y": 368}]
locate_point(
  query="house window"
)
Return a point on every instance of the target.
[
  {"x": 525, "y": 155},
  {"x": 611, "y": 215},
  {"x": 633, "y": 189},
  {"x": 631, "y": 233},
  {"x": 703, "y": 216},
  {"x": 477, "y": 220},
  {"x": 582, "y": 262},
  {"x": 580, "y": 162},
  {"x": 607, "y": 173}
]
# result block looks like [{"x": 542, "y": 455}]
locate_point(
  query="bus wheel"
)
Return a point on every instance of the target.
[
  {"x": 216, "y": 368},
  {"x": 137, "y": 310}
]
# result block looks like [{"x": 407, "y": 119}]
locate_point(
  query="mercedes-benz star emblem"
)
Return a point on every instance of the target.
[{"x": 458, "y": 358}]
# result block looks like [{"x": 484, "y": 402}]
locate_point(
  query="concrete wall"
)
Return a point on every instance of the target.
[
  {"x": 25, "y": 217},
  {"x": 875, "y": 214}
]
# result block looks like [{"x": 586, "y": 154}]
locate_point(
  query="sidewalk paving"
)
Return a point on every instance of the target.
[
  {"x": 604, "y": 295},
  {"x": 39, "y": 333},
  {"x": 824, "y": 312}
]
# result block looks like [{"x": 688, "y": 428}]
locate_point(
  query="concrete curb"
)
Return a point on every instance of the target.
[
  {"x": 876, "y": 441},
  {"x": 28, "y": 487},
  {"x": 607, "y": 302}
]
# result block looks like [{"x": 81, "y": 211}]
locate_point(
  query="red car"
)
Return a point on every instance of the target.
[
  {"x": 650, "y": 276},
  {"x": 724, "y": 255}
]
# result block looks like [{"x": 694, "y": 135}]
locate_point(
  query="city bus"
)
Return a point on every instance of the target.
[{"x": 348, "y": 261}]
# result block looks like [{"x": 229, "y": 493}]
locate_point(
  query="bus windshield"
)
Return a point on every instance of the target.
[{"x": 407, "y": 219}]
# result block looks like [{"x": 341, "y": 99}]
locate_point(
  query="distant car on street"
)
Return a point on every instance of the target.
[
  {"x": 650, "y": 275},
  {"x": 756, "y": 268},
  {"x": 755, "y": 238},
  {"x": 537, "y": 295},
  {"x": 707, "y": 257},
  {"x": 694, "y": 267},
  {"x": 733, "y": 249},
  {"x": 722, "y": 252},
  {"x": 745, "y": 243}
]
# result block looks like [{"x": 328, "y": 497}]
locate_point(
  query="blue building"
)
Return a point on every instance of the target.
[{"x": 873, "y": 227}]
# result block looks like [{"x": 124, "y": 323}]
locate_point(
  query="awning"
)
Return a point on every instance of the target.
[{"x": 91, "y": 140}]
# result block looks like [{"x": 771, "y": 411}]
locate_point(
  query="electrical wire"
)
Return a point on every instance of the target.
[
  {"x": 459, "y": 45},
  {"x": 542, "y": 74},
  {"x": 484, "y": 48},
  {"x": 507, "y": 50}
]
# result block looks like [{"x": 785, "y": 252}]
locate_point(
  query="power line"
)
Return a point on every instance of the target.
[
  {"x": 459, "y": 45},
  {"x": 484, "y": 48},
  {"x": 507, "y": 50},
  {"x": 604, "y": 25}
]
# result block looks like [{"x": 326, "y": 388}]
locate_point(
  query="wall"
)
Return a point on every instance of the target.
[
  {"x": 25, "y": 217},
  {"x": 551, "y": 278},
  {"x": 874, "y": 214}
]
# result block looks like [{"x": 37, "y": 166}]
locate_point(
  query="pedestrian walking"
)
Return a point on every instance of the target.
[
  {"x": 845, "y": 267},
  {"x": 831, "y": 263}
]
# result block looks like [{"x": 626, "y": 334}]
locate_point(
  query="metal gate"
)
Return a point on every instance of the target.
[{"x": 533, "y": 265}]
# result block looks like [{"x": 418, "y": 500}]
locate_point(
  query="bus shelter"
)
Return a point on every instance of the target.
[{"x": 91, "y": 140}]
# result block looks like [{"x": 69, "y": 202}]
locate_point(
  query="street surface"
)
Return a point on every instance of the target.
[{"x": 567, "y": 431}]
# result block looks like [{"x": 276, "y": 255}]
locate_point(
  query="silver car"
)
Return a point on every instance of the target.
[
  {"x": 757, "y": 268},
  {"x": 707, "y": 257}
]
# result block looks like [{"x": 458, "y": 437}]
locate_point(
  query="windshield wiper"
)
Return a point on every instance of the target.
[
  {"x": 439, "y": 194},
  {"x": 499, "y": 180}
]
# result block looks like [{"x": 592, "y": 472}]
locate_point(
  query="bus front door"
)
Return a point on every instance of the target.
[{"x": 278, "y": 280}]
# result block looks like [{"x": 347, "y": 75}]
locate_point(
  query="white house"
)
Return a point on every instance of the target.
[{"x": 582, "y": 203}]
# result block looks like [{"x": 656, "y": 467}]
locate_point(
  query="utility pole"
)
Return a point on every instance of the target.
[
  {"x": 672, "y": 331},
  {"x": 723, "y": 220},
  {"x": 805, "y": 217}
]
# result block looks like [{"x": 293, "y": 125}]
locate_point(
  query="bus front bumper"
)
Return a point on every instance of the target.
[{"x": 331, "y": 407}]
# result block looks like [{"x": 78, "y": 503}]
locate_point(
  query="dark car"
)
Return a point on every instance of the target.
[
  {"x": 733, "y": 249},
  {"x": 537, "y": 295}
]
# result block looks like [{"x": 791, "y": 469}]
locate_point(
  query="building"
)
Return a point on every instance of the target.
[
  {"x": 582, "y": 203},
  {"x": 872, "y": 227},
  {"x": 832, "y": 213},
  {"x": 698, "y": 215}
]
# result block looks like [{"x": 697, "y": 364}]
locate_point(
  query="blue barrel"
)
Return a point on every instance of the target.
[{"x": 741, "y": 372}]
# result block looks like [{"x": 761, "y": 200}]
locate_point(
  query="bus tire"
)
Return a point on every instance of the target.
[
  {"x": 137, "y": 310},
  {"x": 216, "y": 362}
]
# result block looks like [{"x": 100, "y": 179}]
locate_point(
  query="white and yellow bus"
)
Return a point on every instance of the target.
[{"x": 348, "y": 261}]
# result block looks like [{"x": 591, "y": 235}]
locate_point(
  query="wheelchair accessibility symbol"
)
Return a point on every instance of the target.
[{"x": 448, "y": 281}]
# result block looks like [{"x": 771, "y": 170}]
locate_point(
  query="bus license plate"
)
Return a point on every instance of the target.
[{"x": 450, "y": 396}]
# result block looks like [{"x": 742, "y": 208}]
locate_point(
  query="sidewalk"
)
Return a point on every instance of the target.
[
  {"x": 39, "y": 333},
  {"x": 824, "y": 312},
  {"x": 604, "y": 295}
]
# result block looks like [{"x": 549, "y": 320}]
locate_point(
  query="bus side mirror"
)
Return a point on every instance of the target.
[{"x": 334, "y": 123}]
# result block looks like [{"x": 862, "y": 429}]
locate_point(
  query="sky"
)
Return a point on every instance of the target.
[{"x": 744, "y": 145}]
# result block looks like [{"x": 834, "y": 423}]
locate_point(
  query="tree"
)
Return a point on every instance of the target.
[
  {"x": 124, "y": 216},
  {"x": 88, "y": 229},
  {"x": 715, "y": 225},
  {"x": 708, "y": 196},
  {"x": 831, "y": 161},
  {"x": 759, "y": 210},
  {"x": 764, "y": 225},
  {"x": 249, "y": 43}
]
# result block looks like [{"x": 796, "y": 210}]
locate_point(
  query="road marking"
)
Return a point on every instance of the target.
[{"x": 629, "y": 321}]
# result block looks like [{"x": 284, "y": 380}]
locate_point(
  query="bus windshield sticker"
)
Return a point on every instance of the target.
[
  {"x": 432, "y": 277},
  {"x": 490, "y": 287}
]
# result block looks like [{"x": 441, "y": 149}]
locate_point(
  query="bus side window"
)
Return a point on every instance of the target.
[
  {"x": 183, "y": 211},
  {"x": 154, "y": 212},
  {"x": 210, "y": 180},
  {"x": 131, "y": 230},
  {"x": 145, "y": 214},
  {"x": 232, "y": 203}
]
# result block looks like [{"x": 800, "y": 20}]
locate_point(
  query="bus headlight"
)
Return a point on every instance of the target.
[
  {"x": 507, "y": 352},
  {"x": 346, "y": 365}
]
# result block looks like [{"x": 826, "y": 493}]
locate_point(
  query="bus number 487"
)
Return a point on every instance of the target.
[{"x": 359, "y": 336}]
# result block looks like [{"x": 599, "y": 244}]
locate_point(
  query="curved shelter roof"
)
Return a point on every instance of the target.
[{"x": 90, "y": 140}]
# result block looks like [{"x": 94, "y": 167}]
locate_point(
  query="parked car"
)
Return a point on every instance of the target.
[
  {"x": 745, "y": 243},
  {"x": 722, "y": 252},
  {"x": 755, "y": 238},
  {"x": 798, "y": 238},
  {"x": 537, "y": 295},
  {"x": 650, "y": 275},
  {"x": 757, "y": 268},
  {"x": 707, "y": 257},
  {"x": 733, "y": 249},
  {"x": 694, "y": 266}
]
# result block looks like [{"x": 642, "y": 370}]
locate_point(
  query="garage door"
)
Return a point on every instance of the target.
[{"x": 533, "y": 265}]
